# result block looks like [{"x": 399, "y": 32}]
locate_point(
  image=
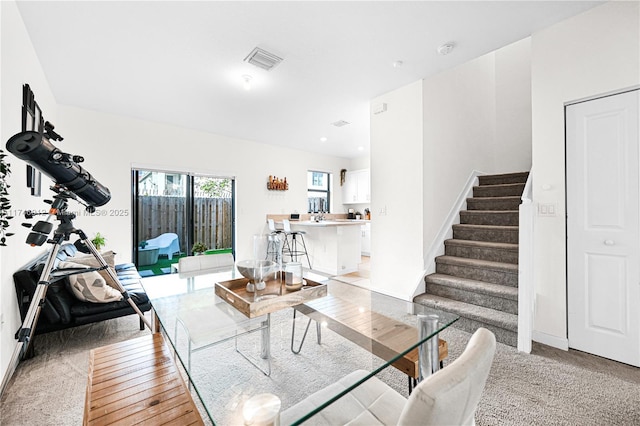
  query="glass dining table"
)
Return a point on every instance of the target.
[{"x": 232, "y": 352}]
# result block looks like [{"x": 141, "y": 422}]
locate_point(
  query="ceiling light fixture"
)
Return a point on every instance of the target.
[
  {"x": 247, "y": 82},
  {"x": 361, "y": 148},
  {"x": 323, "y": 139},
  {"x": 398, "y": 64},
  {"x": 446, "y": 48}
]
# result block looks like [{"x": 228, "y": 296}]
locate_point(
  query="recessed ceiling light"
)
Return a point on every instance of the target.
[
  {"x": 247, "y": 82},
  {"x": 323, "y": 139},
  {"x": 446, "y": 48},
  {"x": 361, "y": 148},
  {"x": 398, "y": 64}
]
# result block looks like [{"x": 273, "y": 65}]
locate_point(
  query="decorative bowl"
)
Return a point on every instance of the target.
[{"x": 255, "y": 271}]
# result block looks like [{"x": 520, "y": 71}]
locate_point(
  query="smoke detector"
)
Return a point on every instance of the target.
[
  {"x": 340, "y": 123},
  {"x": 446, "y": 48},
  {"x": 263, "y": 59}
]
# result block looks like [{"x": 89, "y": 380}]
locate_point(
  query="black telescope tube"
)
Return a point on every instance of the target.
[{"x": 39, "y": 152}]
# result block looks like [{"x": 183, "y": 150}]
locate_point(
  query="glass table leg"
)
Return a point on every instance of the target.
[{"x": 428, "y": 355}]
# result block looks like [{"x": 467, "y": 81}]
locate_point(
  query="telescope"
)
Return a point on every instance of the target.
[
  {"x": 36, "y": 150},
  {"x": 72, "y": 182}
]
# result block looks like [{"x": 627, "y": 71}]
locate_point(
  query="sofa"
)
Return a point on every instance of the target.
[{"x": 62, "y": 309}]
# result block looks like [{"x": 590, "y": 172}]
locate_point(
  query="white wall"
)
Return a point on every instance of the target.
[
  {"x": 397, "y": 192},
  {"x": 594, "y": 53},
  {"x": 513, "y": 107},
  {"x": 360, "y": 163},
  {"x": 111, "y": 144},
  {"x": 477, "y": 116},
  {"x": 18, "y": 65}
]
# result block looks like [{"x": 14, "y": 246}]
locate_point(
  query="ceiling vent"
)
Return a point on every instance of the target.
[
  {"x": 263, "y": 59},
  {"x": 340, "y": 123}
]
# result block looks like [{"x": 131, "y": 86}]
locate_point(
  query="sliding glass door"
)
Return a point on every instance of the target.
[{"x": 175, "y": 214}]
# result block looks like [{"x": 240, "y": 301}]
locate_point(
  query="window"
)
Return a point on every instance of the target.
[
  {"x": 196, "y": 208},
  {"x": 317, "y": 178},
  {"x": 318, "y": 191}
]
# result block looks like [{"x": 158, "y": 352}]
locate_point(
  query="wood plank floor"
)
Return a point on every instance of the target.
[{"x": 136, "y": 381}]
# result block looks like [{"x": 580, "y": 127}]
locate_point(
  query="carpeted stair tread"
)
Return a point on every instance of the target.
[
  {"x": 484, "y": 250},
  {"x": 477, "y": 263},
  {"x": 483, "y": 244},
  {"x": 491, "y": 233},
  {"x": 494, "y": 203},
  {"x": 519, "y": 177},
  {"x": 500, "y": 190},
  {"x": 490, "y": 217},
  {"x": 488, "y": 227},
  {"x": 475, "y": 286},
  {"x": 477, "y": 313}
]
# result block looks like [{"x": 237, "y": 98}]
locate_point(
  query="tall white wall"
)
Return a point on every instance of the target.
[
  {"x": 18, "y": 65},
  {"x": 397, "y": 192},
  {"x": 111, "y": 144},
  {"x": 594, "y": 53},
  {"x": 513, "y": 107},
  {"x": 477, "y": 116}
]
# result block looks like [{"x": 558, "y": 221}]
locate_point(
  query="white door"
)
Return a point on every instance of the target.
[{"x": 603, "y": 227}]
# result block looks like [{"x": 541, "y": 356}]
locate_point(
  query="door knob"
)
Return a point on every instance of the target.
[{"x": 608, "y": 242}]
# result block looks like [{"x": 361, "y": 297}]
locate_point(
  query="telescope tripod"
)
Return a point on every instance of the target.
[{"x": 49, "y": 276}]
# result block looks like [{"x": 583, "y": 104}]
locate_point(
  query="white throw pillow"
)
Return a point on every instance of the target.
[
  {"x": 90, "y": 286},
  {"x": 90, "y": 260}
]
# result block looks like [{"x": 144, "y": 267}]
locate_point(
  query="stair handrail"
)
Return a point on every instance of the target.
[{"x": 525, "y": 267}]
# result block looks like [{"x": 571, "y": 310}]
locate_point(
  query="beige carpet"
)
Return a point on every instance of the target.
[{"x": 548, "y": 388}]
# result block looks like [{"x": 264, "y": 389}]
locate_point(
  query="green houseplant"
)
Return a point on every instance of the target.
[
  {"x": 98, "y": 241},
  {"x": 198, "y": 248}
]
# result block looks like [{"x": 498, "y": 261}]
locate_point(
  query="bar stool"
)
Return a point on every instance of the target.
[
  {"x": 275, "y": 243},
  {"x": 291, "y": 248}
]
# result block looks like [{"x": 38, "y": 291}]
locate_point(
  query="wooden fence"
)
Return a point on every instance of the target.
[{"x": 212, "y": 220}]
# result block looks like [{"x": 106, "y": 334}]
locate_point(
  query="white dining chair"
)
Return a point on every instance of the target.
[{"x": 448, "y": 397}]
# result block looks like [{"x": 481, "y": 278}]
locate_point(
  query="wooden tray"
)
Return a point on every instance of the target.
[{"x": 273, "y": 298}]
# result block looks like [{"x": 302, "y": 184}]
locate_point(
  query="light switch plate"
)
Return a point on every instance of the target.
[{"x": 547, "y": 209}]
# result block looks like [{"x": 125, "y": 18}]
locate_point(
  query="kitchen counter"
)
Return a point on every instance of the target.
[
  {"x": 335, "y": 222},
  {"x": 334, "y": 246}
]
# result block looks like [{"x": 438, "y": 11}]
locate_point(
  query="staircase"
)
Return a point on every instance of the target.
[{"x": 477, "y": 277}]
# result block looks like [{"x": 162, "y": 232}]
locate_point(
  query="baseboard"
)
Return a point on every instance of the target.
[{"x": 549, "y": 340}]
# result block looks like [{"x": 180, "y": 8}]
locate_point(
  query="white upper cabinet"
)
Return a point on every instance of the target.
[{"x": 357, "y": 187}]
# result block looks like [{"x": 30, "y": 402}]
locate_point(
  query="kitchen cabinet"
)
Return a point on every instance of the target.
[
  {"x": 357, "y": 187},
  {"x": 365, "y": 244}
]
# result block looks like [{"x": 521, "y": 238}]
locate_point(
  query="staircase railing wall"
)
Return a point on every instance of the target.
[{"x": 525, "y": 267}]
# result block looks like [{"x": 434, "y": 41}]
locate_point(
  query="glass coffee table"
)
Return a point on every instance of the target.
[{"x": 220, "y": 340}]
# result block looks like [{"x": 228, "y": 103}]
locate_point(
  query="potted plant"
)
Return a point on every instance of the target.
[
  {"x": 98, "y": 241},
  {"x": 198, "y": 248}
]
